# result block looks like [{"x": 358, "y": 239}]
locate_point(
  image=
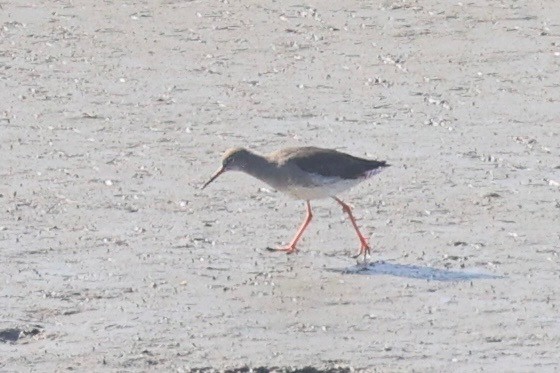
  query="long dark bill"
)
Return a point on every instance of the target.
[{"x": 214, "y": 177}]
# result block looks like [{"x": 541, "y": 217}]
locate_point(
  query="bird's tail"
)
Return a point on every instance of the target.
[{"x": 376, "y": 168}]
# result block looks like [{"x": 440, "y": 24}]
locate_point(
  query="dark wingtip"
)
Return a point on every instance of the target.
[{"x": 380, "y": 164}]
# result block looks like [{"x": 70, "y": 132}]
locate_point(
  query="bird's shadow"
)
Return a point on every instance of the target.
[{"x": 415, "y": 271}]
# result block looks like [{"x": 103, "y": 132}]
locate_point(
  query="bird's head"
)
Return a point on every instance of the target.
[{"x": 234, "y": 159}]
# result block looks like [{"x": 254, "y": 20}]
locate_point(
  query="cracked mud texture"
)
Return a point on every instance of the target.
[{"x": 114, "y": 113}]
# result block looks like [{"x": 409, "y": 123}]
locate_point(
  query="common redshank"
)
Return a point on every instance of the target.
[{"x": 305, "y": 173}]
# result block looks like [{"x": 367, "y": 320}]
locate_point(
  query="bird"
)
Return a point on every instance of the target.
[{"x": 305, "y": 173}]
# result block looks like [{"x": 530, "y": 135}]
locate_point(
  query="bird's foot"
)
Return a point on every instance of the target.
[
  {"x": 364, "y": 250},
  {"x": 290, "y": 249}
]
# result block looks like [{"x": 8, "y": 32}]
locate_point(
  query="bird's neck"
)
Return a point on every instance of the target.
[{"x": 258, "y": 166}]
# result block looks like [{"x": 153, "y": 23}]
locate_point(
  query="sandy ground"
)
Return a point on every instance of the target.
[{"x": 113, "y": 113}]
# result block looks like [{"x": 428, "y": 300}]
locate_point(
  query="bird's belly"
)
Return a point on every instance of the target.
[{"x": 309, "y": 192}]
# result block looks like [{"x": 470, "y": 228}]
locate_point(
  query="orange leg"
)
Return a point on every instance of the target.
[
  {"x": 364, "y": 249},
  {"x": 291, "y": 248}
]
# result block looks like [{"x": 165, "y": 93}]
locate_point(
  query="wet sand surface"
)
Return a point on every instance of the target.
[{"x": 114, "y": 113}]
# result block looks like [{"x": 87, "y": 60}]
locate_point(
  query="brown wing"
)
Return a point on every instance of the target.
[{"x": 328, "y": 162}]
